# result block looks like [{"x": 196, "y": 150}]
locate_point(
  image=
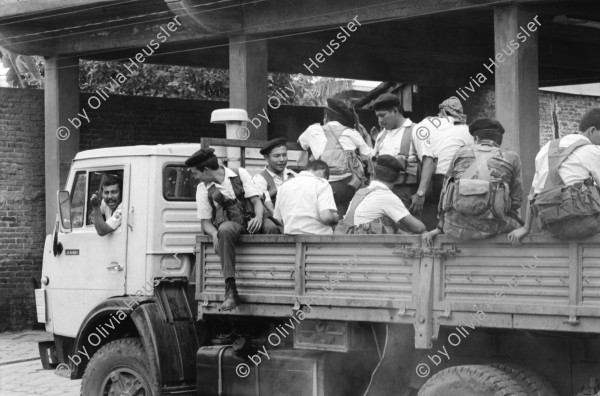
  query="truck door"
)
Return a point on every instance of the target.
[{"x": 91, "y": 268}]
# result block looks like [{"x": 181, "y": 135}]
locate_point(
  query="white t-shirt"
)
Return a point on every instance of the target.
[
  {"x": 314, "y": 138},
  {"x": 113, "y": 219},
  {"x": 578, "y": 166},
  {"x": 389, "y": 142},
  {"x": 261, "y": 183},
  {"x": 204, "y": 208},
  {"x": 379, "y": 203},
  {"x": 445, "y": 140},
  {"x": 299, "y": 202}
]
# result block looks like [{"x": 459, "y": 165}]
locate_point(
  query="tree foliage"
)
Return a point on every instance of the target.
[{"x": 196, "y": 83}]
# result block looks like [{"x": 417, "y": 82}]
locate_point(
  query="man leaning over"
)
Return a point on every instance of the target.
[
  {"x": 305, "y": 204},
  {"x": 335, "y": 142},
  {"x": 567, "y": 176},
  {"x": 229, "y": 205},
  {"x": 110, "y": 206},
  {"x": 376, "y": 209}
]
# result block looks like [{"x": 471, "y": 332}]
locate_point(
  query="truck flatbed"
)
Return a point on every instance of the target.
[{"x": 544, "y": 284}]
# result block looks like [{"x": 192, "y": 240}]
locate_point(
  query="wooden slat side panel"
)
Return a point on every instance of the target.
[
  {"x": 532, "y": 274},
  {"x": 590, "y": 274},
  {"x": 359, "y": 269},
  {"x": 261, "y": 268}
]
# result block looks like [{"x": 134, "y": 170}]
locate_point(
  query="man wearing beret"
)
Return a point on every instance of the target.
[
  {"x": 399, "y": 138},
  {"x": 482, "y": 191},
  {"x": 336, "y": 143},
  {"x": 229, "y": 205},
  {"x": 376, "y": 209},
  {"x": 275, "y": 173}
]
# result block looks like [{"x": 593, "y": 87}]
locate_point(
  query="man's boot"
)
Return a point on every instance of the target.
[{"x": 232, "y": 299}]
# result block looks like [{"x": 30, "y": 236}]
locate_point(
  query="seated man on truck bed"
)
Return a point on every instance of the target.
[
  {"x": 275, "y": 173},
  {"x": 482, "y": 190},
  {"x": 109, "y": 206},
  {"x": 376, "y": 209},
  {"x": 229, "y": 205},
  {"x": 305, "y": 204},
  {"x": 565, "y": 197}
]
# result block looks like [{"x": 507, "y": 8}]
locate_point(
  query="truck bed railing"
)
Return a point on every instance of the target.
[{"x": 394, "y": 279}]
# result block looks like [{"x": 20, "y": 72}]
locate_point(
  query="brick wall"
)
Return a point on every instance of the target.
[
  {"x": 559, "y": 113},
  {"x": 22, "y": 204},
  {"x": 137, "y": 120}
]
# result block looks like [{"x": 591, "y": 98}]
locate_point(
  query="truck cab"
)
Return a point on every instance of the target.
[{"x": 92, "y": 283}]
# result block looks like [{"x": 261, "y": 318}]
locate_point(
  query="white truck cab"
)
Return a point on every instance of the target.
[{"x": 91, "y": 283}]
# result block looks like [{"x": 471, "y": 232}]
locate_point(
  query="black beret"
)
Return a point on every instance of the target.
[
  {"x": 386, "y": 101},
  {"x": 272, "y": 144},
  {"x": 486, "y": 124},
  {"x": 390, "y": 163},
  {"x": 340, "y": 108},
  {"x": 200, "y": 157}
]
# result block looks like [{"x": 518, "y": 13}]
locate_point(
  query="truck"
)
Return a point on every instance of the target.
[{"x": 137, "y": 312}]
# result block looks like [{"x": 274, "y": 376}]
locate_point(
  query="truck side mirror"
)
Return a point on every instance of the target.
[
  {"x": 64, "y": 209},
  {"x": 57, "y": 247}
]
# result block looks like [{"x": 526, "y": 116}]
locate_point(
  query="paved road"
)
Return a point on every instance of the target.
[
  {"x": 28, "y": 378},
  {"x": 21, "y": 372}
]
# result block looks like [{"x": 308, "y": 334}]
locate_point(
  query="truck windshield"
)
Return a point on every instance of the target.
[{"x": 179, "y": 183}]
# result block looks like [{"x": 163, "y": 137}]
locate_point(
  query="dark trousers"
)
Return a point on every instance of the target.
[
  {"x": 430, "y": 210},
  {"x": 227, "y": 236},
  {"x": 342, "y": 194},
  {"x": 429, "y": 214}
]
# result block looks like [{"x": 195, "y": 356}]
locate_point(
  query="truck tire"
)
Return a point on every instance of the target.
[
  {"x": 121, "y": 368},
  {"x": 471, "y": 381},
  {"x": 532, "y": 383}
]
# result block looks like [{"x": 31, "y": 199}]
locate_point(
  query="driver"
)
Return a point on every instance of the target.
[{"x": 109, "y": 208}]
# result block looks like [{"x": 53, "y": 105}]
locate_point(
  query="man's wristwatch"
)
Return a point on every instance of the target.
[{"x": 420, "y": 193}]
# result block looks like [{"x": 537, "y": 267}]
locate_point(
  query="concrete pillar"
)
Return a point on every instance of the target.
[
  {"x": 517, "y": 84},
  {"x": 248, "y": 81},
  {"x": 61, "y": 102}
]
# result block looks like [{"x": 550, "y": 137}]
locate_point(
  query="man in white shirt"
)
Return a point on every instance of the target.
[
  {"x": 109, "y": 207},
  {"x": 305, "y": 204},
  {"x": 275, "y": 173},
  {"x": 447, "y": 133},
  {"x": 229, "y": 205},
  {"x": 336, "y": 143},
  {"x": 376, "y": 209},
  {"x": 399, "y": 139},
  {"x": 580, "y": 168}
]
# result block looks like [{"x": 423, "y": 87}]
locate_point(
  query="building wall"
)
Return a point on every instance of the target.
[
  {"x": 559, "y": 112},
  {"x": 137, "y": 120}
]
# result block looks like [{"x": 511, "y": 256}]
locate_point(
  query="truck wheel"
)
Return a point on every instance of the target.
[
  {"x": 119, "y": 368},
  {"x": 471, "y": 381},
  {"x": 533, "y": 383}
]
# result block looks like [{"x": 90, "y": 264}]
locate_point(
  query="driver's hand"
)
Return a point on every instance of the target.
[{"x": 95, "y": 201}]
